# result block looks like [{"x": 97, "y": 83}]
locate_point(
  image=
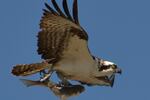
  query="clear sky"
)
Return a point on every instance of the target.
[{"x": 119, "y": 31}]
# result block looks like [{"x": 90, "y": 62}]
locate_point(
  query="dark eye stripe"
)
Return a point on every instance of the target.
[{"x": 104, "y": 68}]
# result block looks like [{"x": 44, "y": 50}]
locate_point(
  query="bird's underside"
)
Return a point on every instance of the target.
[{"x": 63, "y": 44}]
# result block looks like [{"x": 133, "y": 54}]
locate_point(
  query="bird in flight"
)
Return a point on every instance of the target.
[{"x": 63, "y": 45}]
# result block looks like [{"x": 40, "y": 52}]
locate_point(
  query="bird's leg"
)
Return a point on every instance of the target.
[
  {"x": 64, "y": 81},
  {"x": 42, "y": 73},
  {"x": 47, "y": 74}
]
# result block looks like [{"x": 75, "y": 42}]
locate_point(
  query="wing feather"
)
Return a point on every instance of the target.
[
  {"x": 75, "y": 11},
  {"x": 56, "y": 30},
  {"x": 57, "y": 8},
  {"x": 50, "y": 9},
  {"x": 66, "y": 10}
]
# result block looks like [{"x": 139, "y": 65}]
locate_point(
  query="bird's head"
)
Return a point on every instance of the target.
[{"x": 106, "y": 69}]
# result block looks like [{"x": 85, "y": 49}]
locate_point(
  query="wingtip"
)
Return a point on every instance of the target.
[
  {"x": 75, "y": 12},
  {"x": 50, "y": 9},
  {"x": 57, "y": 8},
  {"x": 66, "y": 10}
]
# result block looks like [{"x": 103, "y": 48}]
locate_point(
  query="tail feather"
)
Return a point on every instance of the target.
[{"x": 28, "y": 69}]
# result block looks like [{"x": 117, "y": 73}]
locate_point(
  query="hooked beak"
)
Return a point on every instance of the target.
[{"x": 118, "y": 70}]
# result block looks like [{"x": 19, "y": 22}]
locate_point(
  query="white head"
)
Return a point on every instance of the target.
[
  {"x": 107, "y": 63},
  {"x": 106, "y": 69}
]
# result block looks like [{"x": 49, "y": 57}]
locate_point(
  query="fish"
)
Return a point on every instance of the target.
[{"x": 63, "y": 92}]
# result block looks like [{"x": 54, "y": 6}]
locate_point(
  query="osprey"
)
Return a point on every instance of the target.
[{"x": 63, "y": 44}]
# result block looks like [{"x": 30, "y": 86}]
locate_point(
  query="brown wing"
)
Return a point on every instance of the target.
[{"x": 56, "y": 30}]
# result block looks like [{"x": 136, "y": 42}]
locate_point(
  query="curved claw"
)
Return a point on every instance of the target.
[{"x": 46, "y": 76}]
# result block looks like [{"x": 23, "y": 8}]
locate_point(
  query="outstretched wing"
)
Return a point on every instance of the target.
[{"x": 59, "y": 30}]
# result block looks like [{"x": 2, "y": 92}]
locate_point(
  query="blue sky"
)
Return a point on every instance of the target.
[{"x": 119, "y": 31}]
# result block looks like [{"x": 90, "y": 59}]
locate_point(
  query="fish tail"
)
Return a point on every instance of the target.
[{"x": 29, "y": 83}]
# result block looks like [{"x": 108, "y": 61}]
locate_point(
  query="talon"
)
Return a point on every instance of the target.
[
  {"x": 42, "y": 73},
  {"x": 46, "y": 76}
]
